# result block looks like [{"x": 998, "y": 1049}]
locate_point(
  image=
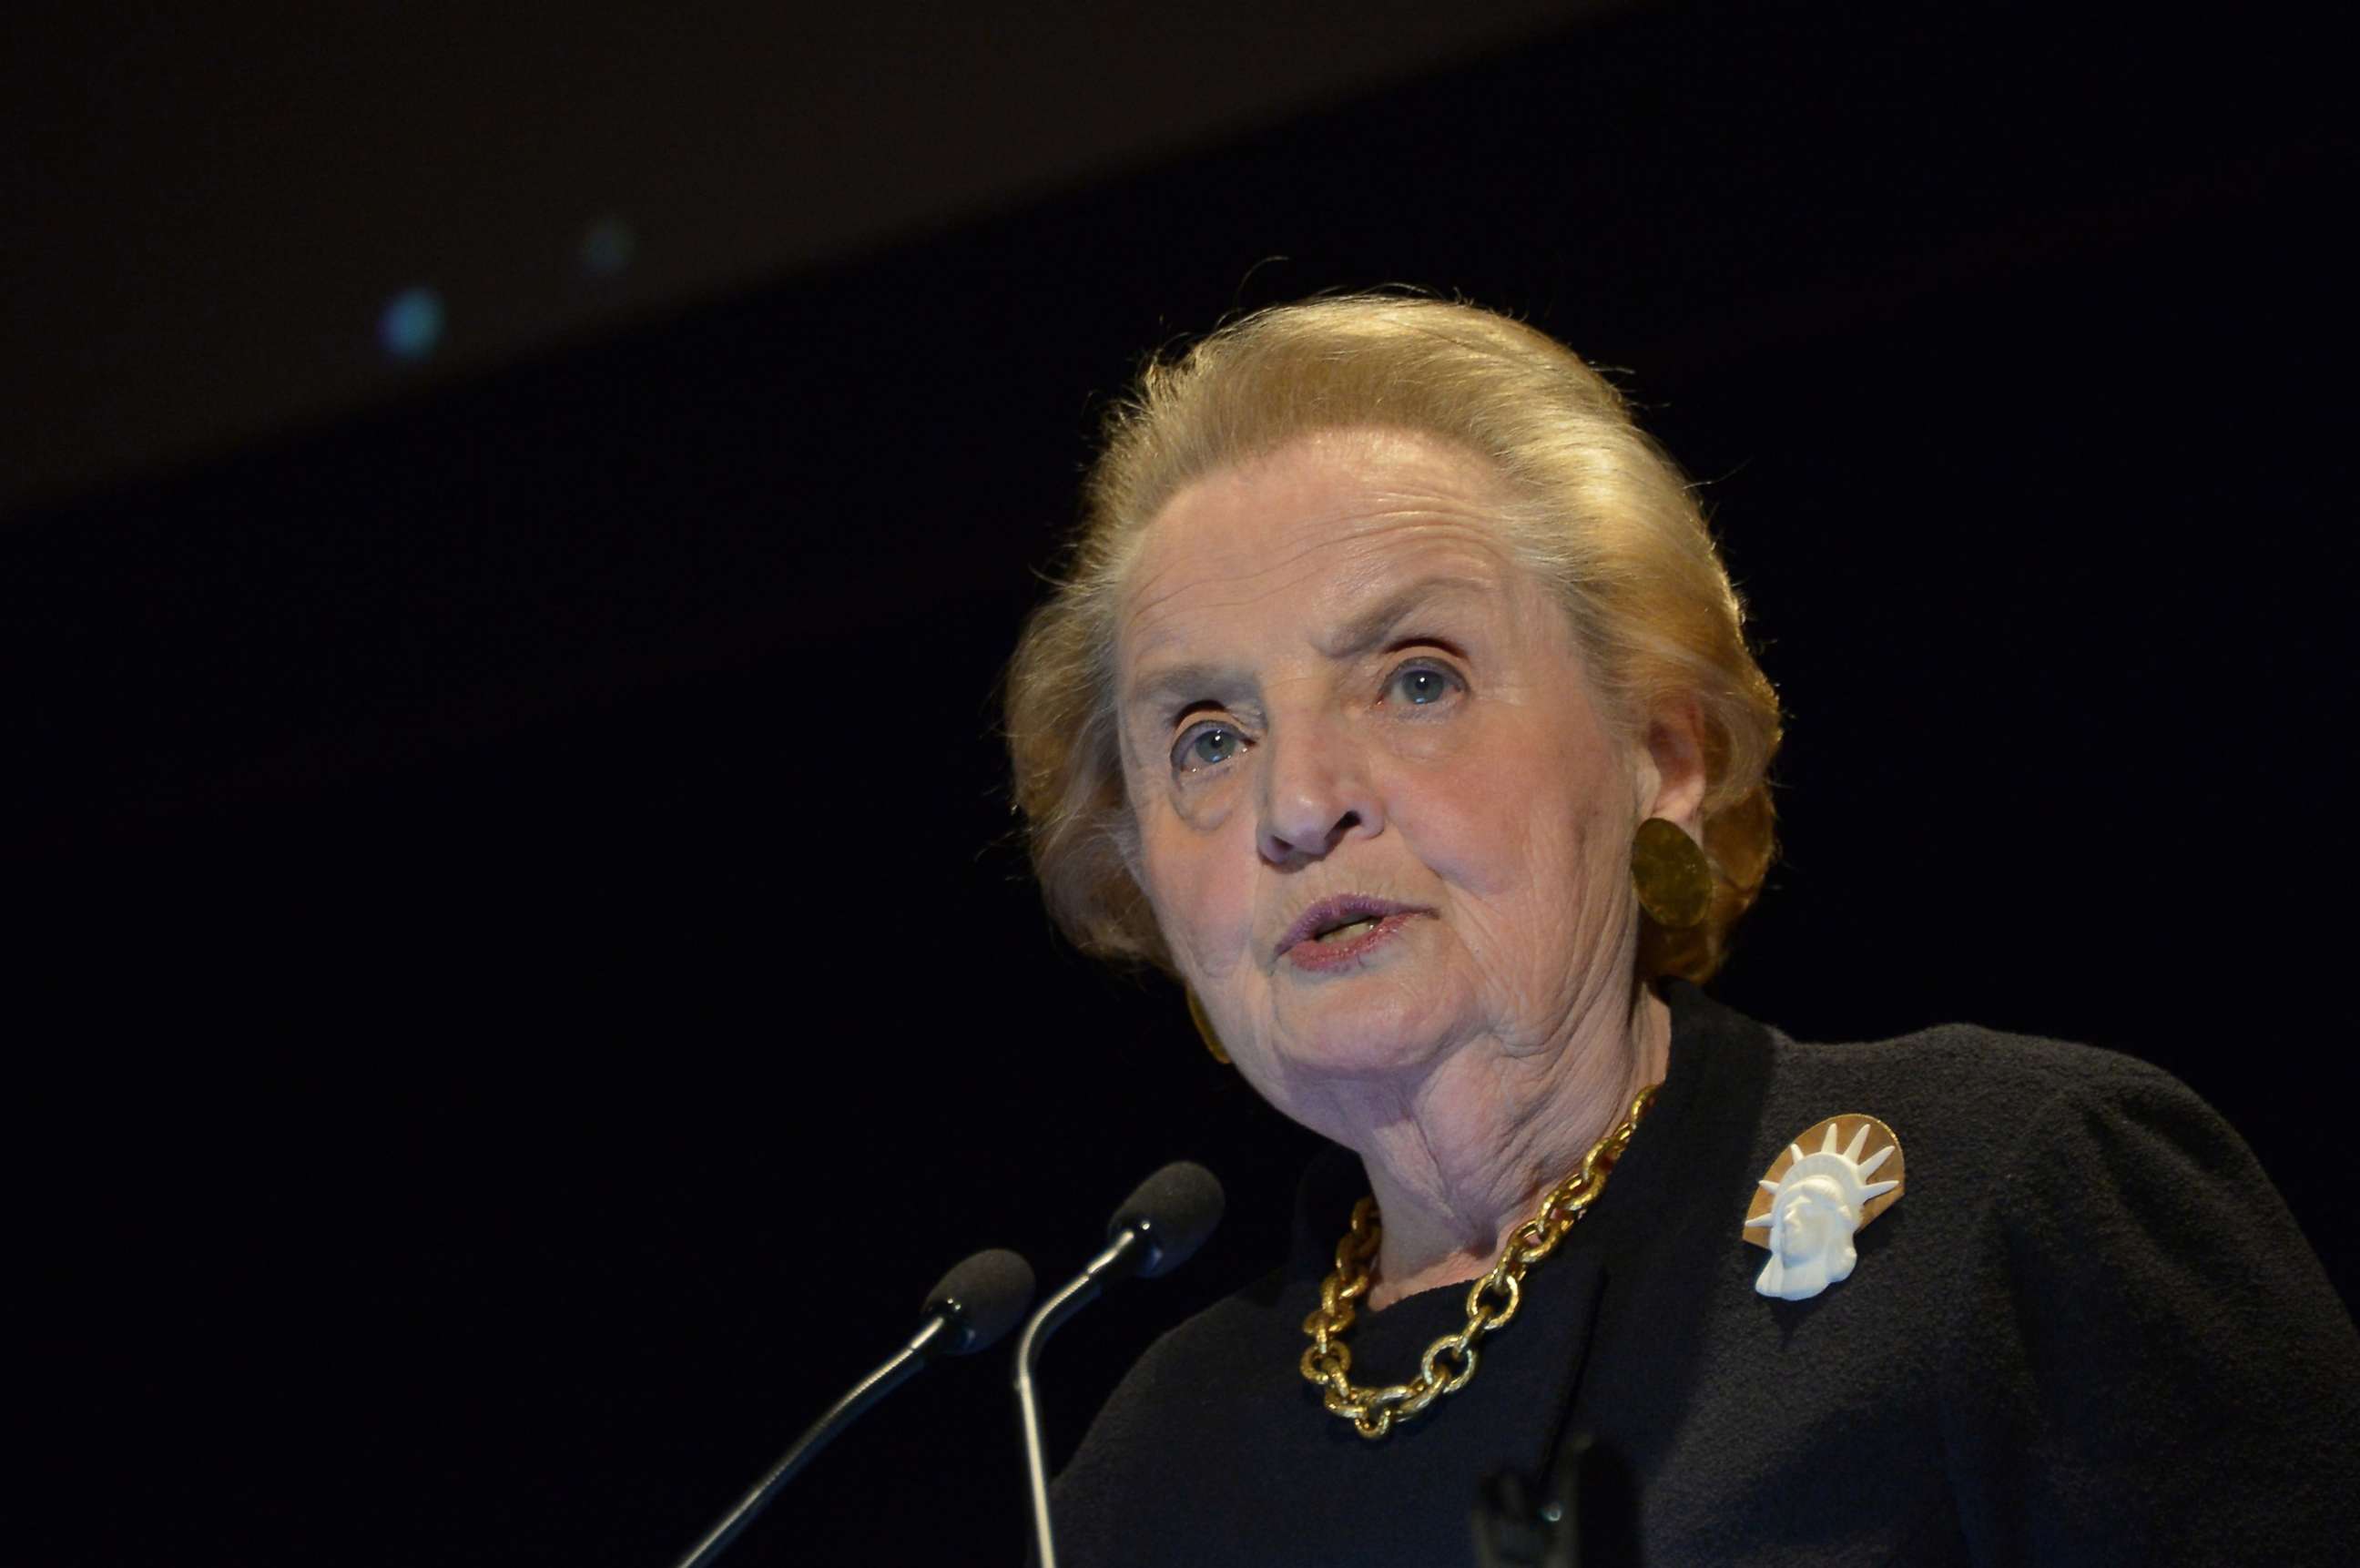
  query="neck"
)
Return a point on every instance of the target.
[{"x": 1461, "y": 1158}]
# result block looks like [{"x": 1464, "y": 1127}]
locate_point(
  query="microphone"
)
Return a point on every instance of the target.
[
  {"x": 1156, "y": 1230},
  {"x": 979, "y": 1301}
]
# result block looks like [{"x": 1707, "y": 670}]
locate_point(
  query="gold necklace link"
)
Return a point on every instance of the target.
[{"x": 1450, "y": 1362}]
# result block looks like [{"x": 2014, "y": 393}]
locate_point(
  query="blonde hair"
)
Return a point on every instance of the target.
[{"x": 1602, "y": 514}]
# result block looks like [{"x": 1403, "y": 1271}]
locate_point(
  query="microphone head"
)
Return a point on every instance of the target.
[
  {"x": 1172, "y": 1213},
  {"x": 982, "y": 1298}
]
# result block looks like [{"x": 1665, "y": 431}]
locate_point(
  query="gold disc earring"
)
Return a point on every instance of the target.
[
  {"x": 1673, "y": 878},
  {"x": 1204, "y": 1027}
]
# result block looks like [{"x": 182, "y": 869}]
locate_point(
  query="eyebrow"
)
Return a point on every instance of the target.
[
  {"x": 1178, "y": 683},
  {"x": 1371, "y": 626},
  {"x": 1365, "y": 630}
]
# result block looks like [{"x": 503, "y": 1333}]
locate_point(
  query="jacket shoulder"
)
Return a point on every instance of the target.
[
  {"x": 1969, "y": 1103},
  {"x": 1950, "y": 1058}
]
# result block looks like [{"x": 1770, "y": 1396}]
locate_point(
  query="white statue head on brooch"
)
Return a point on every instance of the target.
[{"x": 1811, "y": 1205}]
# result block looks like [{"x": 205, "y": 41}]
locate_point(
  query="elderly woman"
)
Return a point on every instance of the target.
[{"x": 1396, "y": 703}]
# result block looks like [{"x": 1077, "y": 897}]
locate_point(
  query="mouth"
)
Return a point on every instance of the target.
[{"x": 1335, "y": 931}]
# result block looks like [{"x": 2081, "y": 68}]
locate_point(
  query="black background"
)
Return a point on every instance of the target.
[{"x": 526, "y": 977}]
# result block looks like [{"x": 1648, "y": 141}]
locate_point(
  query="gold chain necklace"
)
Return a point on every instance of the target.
[{"x": 1491, "y": 1301}]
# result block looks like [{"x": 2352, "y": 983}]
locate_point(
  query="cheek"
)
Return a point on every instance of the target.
[
  {"x": 1530, "y": 813},
  {"x": 1202, "y": 903}
]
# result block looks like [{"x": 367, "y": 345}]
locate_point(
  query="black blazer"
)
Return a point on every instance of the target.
[{"x": 2088, "y": 1332}]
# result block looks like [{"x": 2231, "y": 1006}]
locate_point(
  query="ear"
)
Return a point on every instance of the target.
[{"x": 1672, "y": 772}]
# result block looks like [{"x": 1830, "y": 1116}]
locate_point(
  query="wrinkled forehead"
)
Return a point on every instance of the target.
[{"x": 1321, "y": 532}]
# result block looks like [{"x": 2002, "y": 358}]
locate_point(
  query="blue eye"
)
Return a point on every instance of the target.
[
  {"x": 1422, "y": 685},
  {"x": 1204, "y": 745}
]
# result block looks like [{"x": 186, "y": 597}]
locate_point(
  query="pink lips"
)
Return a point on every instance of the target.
[{"x": 1302, "y": 948}]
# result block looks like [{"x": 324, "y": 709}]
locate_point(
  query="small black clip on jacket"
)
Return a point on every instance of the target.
[{"x": 1577, "y": 1511}]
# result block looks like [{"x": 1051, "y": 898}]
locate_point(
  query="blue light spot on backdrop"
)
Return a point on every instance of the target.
[
  {"x": 608, "y": 247},
  {"x": 411, "y": 323}
]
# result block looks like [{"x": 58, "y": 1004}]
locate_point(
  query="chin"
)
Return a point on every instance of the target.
[{"x": 1383, "y": 1031}]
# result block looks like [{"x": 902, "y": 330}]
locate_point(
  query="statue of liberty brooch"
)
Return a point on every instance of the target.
[{"x": 1809, "y": 1204}]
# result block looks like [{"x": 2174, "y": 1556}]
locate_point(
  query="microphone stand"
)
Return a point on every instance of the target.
[
  {"x": 1046, "y": 1320},
  {"x": 905, "y": 1364}
]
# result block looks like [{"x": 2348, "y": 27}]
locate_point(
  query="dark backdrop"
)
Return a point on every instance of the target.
[{"x": 523, "y": 976}]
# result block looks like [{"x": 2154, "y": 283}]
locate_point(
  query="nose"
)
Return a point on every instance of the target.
[{"x": 1316, "y": 793}]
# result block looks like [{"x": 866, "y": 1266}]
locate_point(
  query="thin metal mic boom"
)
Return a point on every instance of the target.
[
  {"x": 970, "y": 1308},
  {"x": 1165, "y": 1221},
  {"x": 1053, "y": 1313},
  {"x": 906, "y": 1363}
]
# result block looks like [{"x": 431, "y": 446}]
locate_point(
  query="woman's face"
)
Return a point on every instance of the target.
[{"x": 1378, "y": 816}]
